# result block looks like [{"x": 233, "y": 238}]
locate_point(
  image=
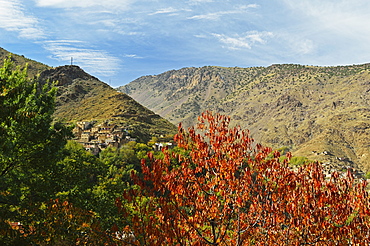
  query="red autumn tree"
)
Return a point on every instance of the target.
[{"x": 223, "y": 189}]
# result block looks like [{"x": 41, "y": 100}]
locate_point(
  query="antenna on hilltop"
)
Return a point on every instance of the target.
[{"x": 71, "y": 61}]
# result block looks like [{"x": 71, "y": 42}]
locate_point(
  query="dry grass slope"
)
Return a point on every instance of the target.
[
  {"x": 311, "y": 110},
  {"x": 84, "y": 97}
]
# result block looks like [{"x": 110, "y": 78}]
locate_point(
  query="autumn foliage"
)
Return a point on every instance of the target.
[{"x": 223, "y": 189}]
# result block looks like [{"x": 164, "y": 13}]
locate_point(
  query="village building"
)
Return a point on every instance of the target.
[
  {"x": 160, "y": 146},
  {"x": 95, "y": 138},
  {"x": 95, "y": 129},
  {"x": 85, "y": 137},
  {"x": 84, "y": 125}
]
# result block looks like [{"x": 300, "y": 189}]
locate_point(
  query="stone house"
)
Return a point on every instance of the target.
[
  {"x": 85, "y": 137},
  {"x": 84, "y": 125}
]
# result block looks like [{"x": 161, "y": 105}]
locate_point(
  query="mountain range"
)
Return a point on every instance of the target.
[
  {"x": 318, "y": 113},
  {"x": 321, "y": 113}
]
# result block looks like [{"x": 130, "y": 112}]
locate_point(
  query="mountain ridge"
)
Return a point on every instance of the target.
[
  {"x": 308, "y": 109},
  {"x": 322, "y": 113}
]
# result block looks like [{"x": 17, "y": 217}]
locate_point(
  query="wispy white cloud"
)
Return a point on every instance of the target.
[
  {"x": 233, "y": 43},
  {"x": 326, "y": 32},
  {"x": 133, "y": 56},
  {"x": 169, "y": 11},
  {"x": 248, "y": 6},
  {"x": 208, "y": 16},
  {"x": 347, "y": 18},
  {"x": 296, "y": 44},
  {"x": 218, "y": 14},
  {"x": 158, "y": 35},
  {"x": 111, "y": 4},
  {"x": 192, "y": 2},
  {"x": 245, "y": 41},
  {"x": 13, "y": 18},
  {"x": 303, "y": 46},
  {"x": 95, "y": 61},
  {"x": 97, "y": 20}
]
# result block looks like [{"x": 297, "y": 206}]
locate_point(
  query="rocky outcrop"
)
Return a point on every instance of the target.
[{"x": 65, "y": 75}]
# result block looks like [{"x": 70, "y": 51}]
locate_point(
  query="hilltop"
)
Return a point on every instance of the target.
[
  {"x": 322, "y": 113},
  {"x": 82, "y": 97}
]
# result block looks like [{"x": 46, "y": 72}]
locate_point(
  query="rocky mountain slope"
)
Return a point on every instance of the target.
[
  {"x": 82, "y": 97},
  {"x": 322, "y": 113}
]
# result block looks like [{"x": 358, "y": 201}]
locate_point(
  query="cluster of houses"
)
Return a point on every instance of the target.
[
  {"x": 330, "y": 166},
  {"x": 97, "y": 137}
]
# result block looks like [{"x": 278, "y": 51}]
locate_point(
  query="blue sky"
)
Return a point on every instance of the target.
[{"x": 121, "y": 40}]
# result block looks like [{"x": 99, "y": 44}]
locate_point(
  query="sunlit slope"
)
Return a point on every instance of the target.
[{"x": 309, "y": 109}]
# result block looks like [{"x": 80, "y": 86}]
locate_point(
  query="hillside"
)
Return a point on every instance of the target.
[
  {"x": 34, "y": 67},
  {"x": 319, "y": 112},
  {"x": 82, "y": 97}
]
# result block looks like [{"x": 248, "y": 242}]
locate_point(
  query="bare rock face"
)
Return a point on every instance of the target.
[
  {"x": 65, "y": 75},
  {"x": 72, "y": 82}
]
